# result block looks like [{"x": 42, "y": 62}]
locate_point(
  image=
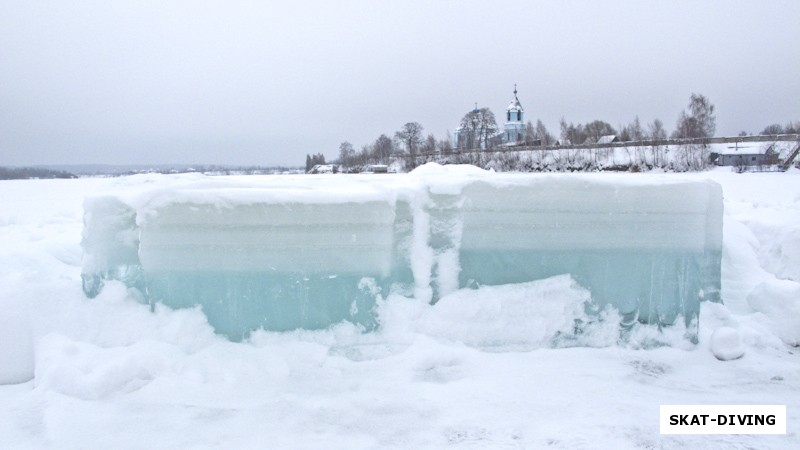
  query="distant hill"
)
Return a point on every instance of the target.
[
  {"x": 121, "y": 169},
  {"x": 26, "y": 173},
  {"x": 129, "y": 169}
]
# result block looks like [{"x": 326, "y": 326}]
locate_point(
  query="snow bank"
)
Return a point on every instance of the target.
[
  {"x": 779, "y": 303},
  {"x": 523, "y": 316},
  {"x": 16, "y": 344}
]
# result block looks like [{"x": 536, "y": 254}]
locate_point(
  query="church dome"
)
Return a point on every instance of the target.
[{"x": 515, "y": 105}]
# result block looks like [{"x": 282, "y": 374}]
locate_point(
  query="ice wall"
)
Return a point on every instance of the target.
[
  {"x": 650, "y": 251},
  {"x": 282, "y": 253}
]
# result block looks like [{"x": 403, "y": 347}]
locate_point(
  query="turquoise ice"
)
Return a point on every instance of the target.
[{"x": 283, "y": 253}]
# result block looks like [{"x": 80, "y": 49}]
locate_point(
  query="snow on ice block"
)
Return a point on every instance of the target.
[{"x": 288, "y": 252}]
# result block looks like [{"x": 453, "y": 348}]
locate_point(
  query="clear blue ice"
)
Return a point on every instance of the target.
[{"x": 650, "y": 250}]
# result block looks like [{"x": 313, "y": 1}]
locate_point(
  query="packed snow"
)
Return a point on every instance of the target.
[
  {"x": 482, "y": 368},
  {"x": 726, "y": 343}
]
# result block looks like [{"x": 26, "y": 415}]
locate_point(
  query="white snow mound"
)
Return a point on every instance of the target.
[
  {"x": 779, "y": 302},
  {"x": 726, "y": 344}
]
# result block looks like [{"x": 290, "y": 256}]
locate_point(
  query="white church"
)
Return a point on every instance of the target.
[{"x": 513, "y": 129}]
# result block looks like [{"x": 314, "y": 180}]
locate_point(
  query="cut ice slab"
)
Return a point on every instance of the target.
[{"x": 287, "y": 252}]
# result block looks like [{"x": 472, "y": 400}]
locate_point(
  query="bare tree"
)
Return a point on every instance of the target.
[
  {"x": 346, "y": 153},
  {"x": 632, "y": 132},
  {"x": 365, "y": 155},
  {"x": 444, "y": 147},
  {"x": 530, "y": 134},
  {"x": 467, "y": 133},
  {"x": 477, "y": 128},
  {"x": 411, "y": 137},
  {"x": 773, "y": 129},
  {"x": 655, "y": 131},
  {"x": 699, "y": 121},
  {"x": 383, "y": 148},
  {"x": 597, "y": 129},
  {"x": 429, "y": 145},
  {"x": 488, "y": 127},
  {"x": 544, "y": 136},
  {"x": 572, "y": 134}
]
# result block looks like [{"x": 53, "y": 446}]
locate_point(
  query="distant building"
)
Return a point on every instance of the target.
[
  {"x": 513, "y": 128},
  {"x": 745, "y": 155},
  {"x": 324, "y": 168},
  {"x": 376, "y": 168},
  {"x": 607, "y": 139}
]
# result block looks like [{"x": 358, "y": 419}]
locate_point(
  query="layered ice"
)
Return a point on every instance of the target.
[
  {"x": 288, "y": 252},
  {"x": 650, "y": 251}
]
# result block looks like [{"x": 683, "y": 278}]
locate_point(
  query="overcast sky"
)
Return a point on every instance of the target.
[{"x": 265, "y": 82}]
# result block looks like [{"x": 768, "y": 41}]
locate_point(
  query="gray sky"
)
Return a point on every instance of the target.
[{"x": 265, "y": 82}]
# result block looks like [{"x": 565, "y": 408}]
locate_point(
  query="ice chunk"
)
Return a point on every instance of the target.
[
  {"x": 110, "y": 244},
  {"x": 281, "y": 253},
  {"x": 651, "y": 251}
]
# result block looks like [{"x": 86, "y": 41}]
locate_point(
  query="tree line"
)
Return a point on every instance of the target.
[
  {"x": 775, "y": 128},
  {"x": 26, "y": 173},
  {"x": 409, "y": 140},
  {"x": 313, "y": 160},
  {"x": 697, "y": 121},
  {"x": 478, "y": 129}
]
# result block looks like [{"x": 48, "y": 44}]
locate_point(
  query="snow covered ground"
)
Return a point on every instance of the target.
[{"x": 474, "y": 371}]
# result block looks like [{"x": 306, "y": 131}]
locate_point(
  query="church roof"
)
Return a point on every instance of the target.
[{"x": 515, "y": 105}]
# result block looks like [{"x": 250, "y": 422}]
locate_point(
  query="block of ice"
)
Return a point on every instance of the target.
[
  {"x": 650, "y": 251},
  {"x": 110, "y": 244},
  {"x": 289, "y": 252},
  {"x": 271, "y": 266}
]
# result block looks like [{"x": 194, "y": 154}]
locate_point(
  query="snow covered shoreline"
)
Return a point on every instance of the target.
[{"x": 110, "y": 373}]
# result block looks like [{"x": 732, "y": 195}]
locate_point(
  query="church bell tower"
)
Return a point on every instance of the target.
[{"x": 514, "y": 126}]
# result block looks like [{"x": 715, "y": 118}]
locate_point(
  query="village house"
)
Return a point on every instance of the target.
[{"x": 739, "y": 154}]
